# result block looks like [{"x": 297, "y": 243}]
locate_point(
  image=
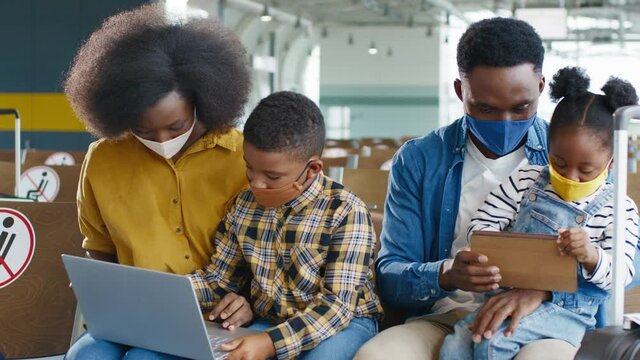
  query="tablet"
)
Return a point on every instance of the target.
[{"x": 527, "y": 261}]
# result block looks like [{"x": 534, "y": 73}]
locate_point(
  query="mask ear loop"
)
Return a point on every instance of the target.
[{"x": 296, "y": 184}]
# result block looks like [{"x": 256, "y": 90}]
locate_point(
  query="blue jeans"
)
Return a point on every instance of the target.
[
  {"x": 89, "y": 348},
  {"x": 342, "y": 345},
  {"x": 548, "y": 321}
]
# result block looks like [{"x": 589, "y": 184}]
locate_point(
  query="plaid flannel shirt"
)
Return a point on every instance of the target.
[{"x": 308, "y": 262}]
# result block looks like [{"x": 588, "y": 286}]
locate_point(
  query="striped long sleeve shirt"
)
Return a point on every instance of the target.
[
  {"x": 308, "y": 262},
  {"x": 501, "y": 207}
]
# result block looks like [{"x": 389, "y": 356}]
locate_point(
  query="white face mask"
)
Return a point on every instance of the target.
[{"x": 169, "y": 148}]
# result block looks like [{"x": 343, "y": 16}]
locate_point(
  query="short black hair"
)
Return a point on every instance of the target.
[
  {"x": 580, "y": 108},
  {"x": 286, "y": 122},
  {"x": 499, "y": 42},
  {"x": 138, "y": 57}
]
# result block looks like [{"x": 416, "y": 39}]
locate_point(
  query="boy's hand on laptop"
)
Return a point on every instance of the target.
[
  {"x": 467, "y": 272},
  {"x": 233, "y": 311},
  {"x": 250, "y": 347},
  {"x": 576, "y": 242}
]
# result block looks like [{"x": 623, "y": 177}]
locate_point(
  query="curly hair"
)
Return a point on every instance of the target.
[
  {"x": 137, "y": 57},
  {"x": 499, "y": 42},
  {"x": 286, "y": 122},
  {"x": 580, "y": 108}
]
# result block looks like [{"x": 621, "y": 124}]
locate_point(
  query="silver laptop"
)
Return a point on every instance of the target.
[{"x": 146, "y": 309}]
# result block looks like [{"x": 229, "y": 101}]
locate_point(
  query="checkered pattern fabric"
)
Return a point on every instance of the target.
[{"x": 308, "y": 262}]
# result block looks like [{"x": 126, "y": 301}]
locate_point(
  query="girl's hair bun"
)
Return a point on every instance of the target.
[
  {"x": 619, "y": 93},
  {"x": 570, "y": 83}
]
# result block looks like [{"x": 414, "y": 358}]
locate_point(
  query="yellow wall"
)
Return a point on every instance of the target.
[{"x": 40, "y": 112}]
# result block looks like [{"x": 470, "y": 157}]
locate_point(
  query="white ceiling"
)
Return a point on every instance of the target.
[{"x": 431, "y": 13}]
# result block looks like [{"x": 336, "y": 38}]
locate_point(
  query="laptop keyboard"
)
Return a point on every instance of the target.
[{"x": 215, "y": 342}]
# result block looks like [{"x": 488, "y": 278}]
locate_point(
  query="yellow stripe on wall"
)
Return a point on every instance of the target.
[{"x": 40, "y": 112}]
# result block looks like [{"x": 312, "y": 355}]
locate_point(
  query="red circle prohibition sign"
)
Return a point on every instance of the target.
[{"x": 13, "y": 275}]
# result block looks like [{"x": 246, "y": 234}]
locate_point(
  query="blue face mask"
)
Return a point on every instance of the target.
[{"x": 501, "y": 137}]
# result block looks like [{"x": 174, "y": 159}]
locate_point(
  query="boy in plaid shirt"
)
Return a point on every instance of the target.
[{"x": 303, "y": 240}]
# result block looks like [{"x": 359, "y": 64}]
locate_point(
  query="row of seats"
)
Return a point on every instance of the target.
[
  {"x": 67, "y": 175},
  {"x": 375, "y": 159},
  {"x": 38, "y": 308},
  {"x": 44, "y": 284},
  {"x": 33, "y": 157},
  {"x": 374, "y": 142}
]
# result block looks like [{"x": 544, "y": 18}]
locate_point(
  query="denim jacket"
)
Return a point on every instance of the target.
[{"x": 421, "y": 210}]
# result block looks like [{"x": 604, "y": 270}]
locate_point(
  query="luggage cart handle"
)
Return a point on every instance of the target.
[
  {"x": 16, "y": 114},
  {"x": 621, "y": 119},
  {"x": 13, "y": 112}
]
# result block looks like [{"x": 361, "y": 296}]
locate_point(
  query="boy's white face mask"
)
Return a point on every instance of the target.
[{"x": 169, "y": 148}]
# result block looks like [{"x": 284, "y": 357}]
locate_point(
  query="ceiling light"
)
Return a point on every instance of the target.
[
  {"x": 372, "y": 49},
  {"x": 423, "y": 5},
  {"x": 266, "y": 16},
  {"x": 176, "y": 10}
]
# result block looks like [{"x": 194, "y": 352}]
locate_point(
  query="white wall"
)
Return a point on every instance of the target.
[
  {"x": 388, "y": 95},
  {"x": 291, "y": 44},
  {"x": 600, "y": 62},
  {"x": 414, "y": 61}
]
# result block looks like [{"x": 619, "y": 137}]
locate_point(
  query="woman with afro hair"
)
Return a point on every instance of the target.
[{"x": 163, "y": 99}]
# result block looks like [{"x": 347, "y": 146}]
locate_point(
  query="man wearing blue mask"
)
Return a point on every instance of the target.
[{"x": 438, "y": 182}]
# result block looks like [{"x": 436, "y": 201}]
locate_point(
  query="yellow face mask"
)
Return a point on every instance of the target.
[{"x": 570, "y": 190}]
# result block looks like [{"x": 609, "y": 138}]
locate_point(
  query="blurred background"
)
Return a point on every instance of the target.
[{"x": 377, "y": 68}]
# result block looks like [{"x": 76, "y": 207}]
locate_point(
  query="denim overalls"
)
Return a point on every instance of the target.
[
  {"x": 567, "y": 315},
  {"x": 540, "y": 213}
]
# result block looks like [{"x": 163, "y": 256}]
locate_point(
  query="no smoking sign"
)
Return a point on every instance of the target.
[{"x": 17, "y": 245}]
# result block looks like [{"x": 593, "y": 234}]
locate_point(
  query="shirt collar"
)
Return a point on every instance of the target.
[
  {"x": 309, "y": 195},
  {"x": 211, "y": 139},
  {"x": 461, "y": 140}
]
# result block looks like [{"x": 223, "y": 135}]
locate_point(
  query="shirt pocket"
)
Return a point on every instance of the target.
[
  {"x": 305, "y": 272},
  {"x": 545, "y": 221}
]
